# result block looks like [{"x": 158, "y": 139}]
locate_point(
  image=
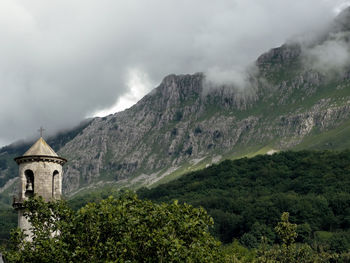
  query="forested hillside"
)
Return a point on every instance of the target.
[{"x": 247, "y": 196}]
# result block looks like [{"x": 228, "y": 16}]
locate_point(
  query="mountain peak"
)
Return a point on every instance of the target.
[{"x": 175, "y": 89}]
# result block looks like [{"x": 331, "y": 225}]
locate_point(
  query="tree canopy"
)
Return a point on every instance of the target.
[
  {"x": 122, "y": 229},
  {"x": 247, "y": 196}
]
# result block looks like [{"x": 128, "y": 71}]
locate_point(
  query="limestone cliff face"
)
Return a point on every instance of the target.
[
  {"x": 177, "y": 124},
  {"x": 173, "y": 124}
]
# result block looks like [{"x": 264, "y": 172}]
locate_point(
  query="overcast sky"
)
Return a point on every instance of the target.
[{"x": 64, "y": 60}]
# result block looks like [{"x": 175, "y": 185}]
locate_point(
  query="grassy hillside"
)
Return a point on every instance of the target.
[{"x": 337, "y": 138}]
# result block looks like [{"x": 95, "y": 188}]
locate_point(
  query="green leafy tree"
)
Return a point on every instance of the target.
[
  {"x": 304, "y": 233},
  {"x": 123, "y": 229},
  {"x": 286, "y": 230},
  {"x": 249, "y": 241},
  {"x": 236, "y": 253},
  {"x": 288, "y": 252}
]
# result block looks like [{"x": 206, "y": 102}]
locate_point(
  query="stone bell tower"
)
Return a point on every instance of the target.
[{"x": 40, "y": 173}]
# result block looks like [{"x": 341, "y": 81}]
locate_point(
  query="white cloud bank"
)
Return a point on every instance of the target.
[{"x": 61, "y": 60}]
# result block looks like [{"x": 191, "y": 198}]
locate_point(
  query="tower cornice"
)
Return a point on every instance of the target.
[{"x": 40, "y": 158}]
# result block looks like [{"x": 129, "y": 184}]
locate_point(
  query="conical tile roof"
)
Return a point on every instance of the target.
[{"x": 40, "y": 148}]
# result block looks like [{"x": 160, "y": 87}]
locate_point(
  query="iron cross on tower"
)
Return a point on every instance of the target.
[{"x": 41, "y": 130}]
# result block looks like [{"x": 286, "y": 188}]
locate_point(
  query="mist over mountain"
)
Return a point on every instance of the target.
[
  {"x": 296, "y": 96},
  {"x": 65, "y": 60}
]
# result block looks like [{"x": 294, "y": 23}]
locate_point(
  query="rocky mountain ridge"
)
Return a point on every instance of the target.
[
  {"x": 182, "y": 125},
  {"x": 176, "y": 125}
]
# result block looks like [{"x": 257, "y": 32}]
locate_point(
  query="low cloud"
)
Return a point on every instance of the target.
[
  {"x": 62, "y": 60},
  {"x": 220, "y": 77},
  {"x": 333, "y": 55},
  {"x": 328, "y": 51}
]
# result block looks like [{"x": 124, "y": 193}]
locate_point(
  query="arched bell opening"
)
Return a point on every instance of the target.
[
  {"x": 54, "y": 182},
  {"x": 29, "y": 183}
]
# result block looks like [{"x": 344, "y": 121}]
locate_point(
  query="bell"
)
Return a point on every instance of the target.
[{"x": 29, "y": 187}]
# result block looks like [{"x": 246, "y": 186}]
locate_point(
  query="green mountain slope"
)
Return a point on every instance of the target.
[{"x": 247, "y": 196}]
